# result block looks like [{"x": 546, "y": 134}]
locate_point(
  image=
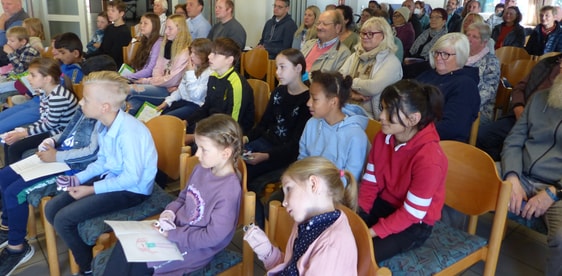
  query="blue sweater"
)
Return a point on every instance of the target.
[{"x": 462, "y": 101}]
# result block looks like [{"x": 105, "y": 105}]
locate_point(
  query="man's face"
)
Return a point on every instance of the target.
[
  {"x": 474, "y": 7},
  {"x": 221, "y": 10},
  {"x": 547, "y": 18},
  {"x": 280, "y": 9},
  {"x": 193, "y": 8},
  {"x": 451, "y": 5},
  {"x": 11, "y": 7}
]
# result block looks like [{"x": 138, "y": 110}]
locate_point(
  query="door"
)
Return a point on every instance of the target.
[{"x": 60, "y": 16}]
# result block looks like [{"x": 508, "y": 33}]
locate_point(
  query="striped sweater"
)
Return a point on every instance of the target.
[{"x": 56, "y": 109}]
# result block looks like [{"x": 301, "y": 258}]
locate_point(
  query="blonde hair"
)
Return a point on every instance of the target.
[
  {"x": 311, "y": 32},
  {"x": 115, "y": 87},
  {"x": 321, "y": 167},
  {"x": 380, "y": 24},
  {"x": 457, "y": 41},
  {"x": 183, "y": 38},
  {"x": 476, "y": 18},
  {"x": 224, "y": 131},
  {"x": 35, "y": 26},
  {"x": 19, "y": 32}
]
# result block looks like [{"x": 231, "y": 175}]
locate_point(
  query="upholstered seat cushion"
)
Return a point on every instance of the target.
[
  {"x": 221, "y": 262},
  {"x": 445, "y": 246},
  {"x": 536, "y": 224},
  {"x": 91, "y": 229},
  {"x": 35, "y": 193}
]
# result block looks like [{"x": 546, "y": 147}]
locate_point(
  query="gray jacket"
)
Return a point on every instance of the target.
[{"x": 330, "y": 61}]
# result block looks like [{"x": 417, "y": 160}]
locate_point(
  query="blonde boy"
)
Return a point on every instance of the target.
[{"x": 19, "y": 52}]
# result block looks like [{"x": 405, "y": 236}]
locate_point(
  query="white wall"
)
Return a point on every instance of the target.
[{"x": 252, "y": 15}]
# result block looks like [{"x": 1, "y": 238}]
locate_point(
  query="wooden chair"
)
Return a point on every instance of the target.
[
  {"x": 78, "y": 90},
  {"x": 261, "y": 97},
  {"x": 508, "y": 54},
  {"x": 549, "y": 54},
  {"x": 474, "y": 131},
  {"x": 47, "y": 52},
  {"x": 170, "y": 145},
  {"x": 129, "y": 52},
  {"x": 513, "y": 73},
  {"x": 256, "y": 64},
  {"x": 373, "y": 127},
  {"x": 473, "y": 187}
]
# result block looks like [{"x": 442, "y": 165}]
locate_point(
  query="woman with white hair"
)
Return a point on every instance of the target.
[
  {"x": 457, "y": 82},
  {"x": 160, "y": 8},
  {"x": 374, "y": 65},
  {"x": 488, "y": 66}
]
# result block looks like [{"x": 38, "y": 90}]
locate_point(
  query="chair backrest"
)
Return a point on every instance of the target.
[
  {"x": 78, "y": 90},
  {"x": 474, "y": 131},
  {"x": 549, "y": 54},
  {"x": 280, "y": 225},
  {"x": 261, "y": 97},
  {"x": 255, "y": 63},
  {"x": 517, "y": 70},
  {"x": 129, "y": 52},
  {"x": 373, "y": 127},
  {"x": 168, "y": 133},
  {"x": 507, "y": 54},
  {"x": 247, "y": 206},
  {"x": 47, "y": 52}
]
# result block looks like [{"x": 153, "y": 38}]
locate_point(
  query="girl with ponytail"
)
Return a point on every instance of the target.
[
  {"x": 403, "y": 188},
  {"x": 313, "y": 188}
]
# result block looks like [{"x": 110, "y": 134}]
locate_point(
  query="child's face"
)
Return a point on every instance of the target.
[
  {"x": 195, "y": 59},
  {"x": 101, "y": 23},
  {"x": 145, "y": 26},
  {"x": 15, "y": 43},
  {"x": 298, "y": 199},
  {"x": 171, "y": 30},
  {"x": 209, "y": 153},
  {"x": 286, "y": 71},
  {"x": 37, "y": 80},
  {"x": 92, "y": 107},
  {"x": 219, "y": 63},
  {"x": 66, "y": 56},
  {"x": 113, "y": 13},
  {"x": 392, "y": 126},
  {"x": 318, "y": 104}
]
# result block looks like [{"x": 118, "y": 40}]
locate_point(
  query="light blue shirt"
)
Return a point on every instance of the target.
[
  {"x": 127, "y": 157},
  {"x": 199, "y": 27}
]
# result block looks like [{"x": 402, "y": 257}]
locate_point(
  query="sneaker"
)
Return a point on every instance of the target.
[
  {"x": 10, "y": 261},
  {"x": 3, "y": 238}
]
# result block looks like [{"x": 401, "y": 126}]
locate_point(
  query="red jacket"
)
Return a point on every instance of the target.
[{"x": 410, "y": 176}]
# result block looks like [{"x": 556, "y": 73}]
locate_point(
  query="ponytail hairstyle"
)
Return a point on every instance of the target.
[
  {"x": 146, "y": 42},
  {"x": 321, "y": 167},
  {"x": 224, "y": 131},
  {"x": 51, "y": 67},
  {"x": 201, "y": 47},
  {"x": 334, "y": 84},
  {"x": 409, "y": 96}
]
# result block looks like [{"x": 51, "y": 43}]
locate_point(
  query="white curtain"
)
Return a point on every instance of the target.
[{"x": 297, "y": 10}]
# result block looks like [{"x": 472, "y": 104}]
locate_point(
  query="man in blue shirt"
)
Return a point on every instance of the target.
[{"x": 199, "y": 27}]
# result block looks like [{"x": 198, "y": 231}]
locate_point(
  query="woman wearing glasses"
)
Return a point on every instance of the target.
[
  {"x": 374, "y": 65},
  {"x": 459, "y": 85},
  {"x": 437, "y": 28}
]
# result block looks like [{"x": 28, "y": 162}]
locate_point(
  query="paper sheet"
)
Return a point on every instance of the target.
[{"x": 32, "y": 167}]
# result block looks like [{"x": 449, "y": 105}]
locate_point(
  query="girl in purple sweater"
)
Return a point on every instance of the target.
[
  {"x": 202, "y": 220},
  {"x": 321, "y": 242},
  {"x": 149, "y": 48}
]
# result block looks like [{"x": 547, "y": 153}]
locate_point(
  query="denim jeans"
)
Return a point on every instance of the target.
[
  {"x": 65, "y": 213},
  {"x": 14, "y": 214},
  {"x": 19, "y": 115},
  {"x": 152, "y": 94},
  {"x": 181, "y": 109}
]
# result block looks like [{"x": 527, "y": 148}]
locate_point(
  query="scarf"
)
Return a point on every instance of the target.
[
  {"x": 473, "y": 59},
  {"x": 421, "y": 40},
  {"x": 361, "y": 65},
  {"x": 308, "y": 232}
]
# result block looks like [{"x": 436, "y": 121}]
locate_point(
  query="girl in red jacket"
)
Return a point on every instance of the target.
[{"x": 403, "y": 188}]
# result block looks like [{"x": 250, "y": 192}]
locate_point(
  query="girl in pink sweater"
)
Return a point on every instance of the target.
[{"x": 321, "y": 242}]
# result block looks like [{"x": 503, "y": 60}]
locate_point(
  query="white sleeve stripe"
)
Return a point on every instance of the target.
[
  {"x": 370, "y": 177},
  {"x": 418, "y": 200},
  {"x": 370, "y": 167},
  {"x": 414, "y": 212}
]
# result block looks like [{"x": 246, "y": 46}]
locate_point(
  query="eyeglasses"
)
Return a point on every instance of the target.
[
  {"x": 278, "y": 7},
  {"x": 324, "y": 23},
  {"x": 443, "y": 55},
  {"x": 368, "y": 35}
]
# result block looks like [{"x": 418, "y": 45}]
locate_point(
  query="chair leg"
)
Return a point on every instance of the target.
[
  {"x": 74, "y": 268},
  {"x": 50, "y": 240},
  {"x": 31, "y": 224}
]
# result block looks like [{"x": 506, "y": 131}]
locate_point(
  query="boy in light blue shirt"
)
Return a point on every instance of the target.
[{"x": 122, "y": 176}]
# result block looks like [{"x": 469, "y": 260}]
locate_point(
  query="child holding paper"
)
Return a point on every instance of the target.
[{"x": 202, "y": 220}]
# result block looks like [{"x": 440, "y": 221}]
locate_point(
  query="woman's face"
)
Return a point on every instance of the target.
[
  {"x": 365, "y": 16},
  {"x": 436, "y": 21},
  {"x": 371, "y": 37},
  {"x": 171, "y": 30},
  {"x": 398, "y": 19},
  {"x": 469, "y": 19},
  {"x": 445, "y": 60},
  {"x": 145, "y": 26},
  {"x": 509, "y": 16},
  {"x": 309, "y": 18},
  {"x": 475, "y": 41}
]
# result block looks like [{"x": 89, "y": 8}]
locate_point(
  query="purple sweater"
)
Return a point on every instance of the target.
[
  {"x": 146, "y": 71},
  {"x": 206, "y": 218}
]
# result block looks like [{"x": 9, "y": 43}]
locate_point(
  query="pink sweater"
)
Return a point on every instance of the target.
[{"x": 333, "y": 253}]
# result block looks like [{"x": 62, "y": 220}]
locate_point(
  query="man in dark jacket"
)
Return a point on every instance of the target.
[
  {"x": 547, "y": 36},
  {"x": 278, "y": 32}
]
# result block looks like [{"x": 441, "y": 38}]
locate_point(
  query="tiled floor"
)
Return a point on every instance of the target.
[{"x": 523, "y": 251}]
